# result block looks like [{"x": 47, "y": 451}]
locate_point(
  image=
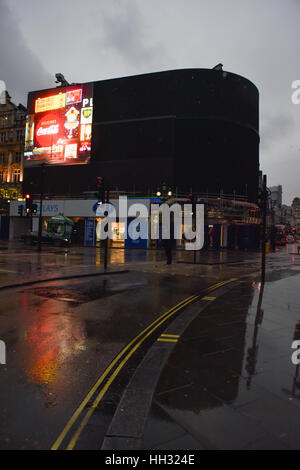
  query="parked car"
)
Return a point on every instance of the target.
[{"x": 31, "y": 238}]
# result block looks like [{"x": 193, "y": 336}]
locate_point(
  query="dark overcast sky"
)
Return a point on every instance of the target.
[{"x": 97, "y": 39}]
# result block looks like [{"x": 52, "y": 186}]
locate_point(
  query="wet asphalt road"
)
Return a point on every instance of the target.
[{"x": 62, "y": 335}]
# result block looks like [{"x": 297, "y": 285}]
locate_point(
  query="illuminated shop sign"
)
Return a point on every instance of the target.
[
  {"x": 59, "y": 126},
  {"x": 50, "y": 102}
]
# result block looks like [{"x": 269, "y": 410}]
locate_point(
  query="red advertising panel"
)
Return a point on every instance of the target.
[{"x": 59, "y": 126}]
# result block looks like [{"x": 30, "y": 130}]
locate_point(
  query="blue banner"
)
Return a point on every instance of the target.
[{"x": 90, "y": 232}]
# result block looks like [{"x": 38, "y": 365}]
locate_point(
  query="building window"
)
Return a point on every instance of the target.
[
  {"x": 3, "y": 158},
  {"x": 18, "y": 157},
  {"x": 5, "y": 120},
  {"x": 3, "y": 176},
  {"x": 20, "y": 116},
  {"x": 16, "y": 175},
  {"x": 20, "y": 135},
  {"x": 3, "y": 136}
]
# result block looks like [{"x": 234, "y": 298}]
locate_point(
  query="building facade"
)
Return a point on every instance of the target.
[
  {"x": 276, "y": 195},
  {"x": 12, "y": 132},
  {"x": 296, "y": 212},
  {"x": 190, "y": 129}
]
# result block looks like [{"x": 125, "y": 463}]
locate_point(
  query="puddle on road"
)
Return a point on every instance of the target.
[{"x": 83, "y": 293}]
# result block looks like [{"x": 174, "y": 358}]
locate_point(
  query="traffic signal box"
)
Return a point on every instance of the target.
[
  {"x": 28, "y": 204},
  {"x": 101, "y": 189},
  {"x": 30, "y": 207}
]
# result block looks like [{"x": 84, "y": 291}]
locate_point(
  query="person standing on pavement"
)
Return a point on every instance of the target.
[
  {"x": 168, "y": 243},
  {"x": 168, "y": 247}
]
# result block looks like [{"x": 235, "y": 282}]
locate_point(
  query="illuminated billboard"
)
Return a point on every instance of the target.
[{"x": 59, "y": 126}]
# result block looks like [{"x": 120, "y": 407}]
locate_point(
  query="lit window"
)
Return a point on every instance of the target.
[{"x": 16, "y": 175}]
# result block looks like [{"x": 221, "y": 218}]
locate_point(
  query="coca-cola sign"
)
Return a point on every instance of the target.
[
  {"x": 48, "y": 129},
  {"x": 53, "y": 129}
]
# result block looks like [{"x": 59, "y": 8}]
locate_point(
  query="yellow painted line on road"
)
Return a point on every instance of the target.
[
  {"x": 208, "y": 298},
  {"x": 168, "y": 340},
  {"x": 146, "y": 332},
  {"x": 115, "y": 373},
  {"x": 104, "y": 375},
  {"x": 169, "y": 336},
  {"x": 220, "y": 284}
]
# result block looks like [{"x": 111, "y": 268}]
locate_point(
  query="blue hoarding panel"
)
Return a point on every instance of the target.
[{"x": 90, "y": 232}]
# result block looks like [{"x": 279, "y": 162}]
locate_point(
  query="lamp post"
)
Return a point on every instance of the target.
[
  {"x": 163, "y": 192},
  {"x": 106, "y": 192},
  {"x": 264, "y": 199}
]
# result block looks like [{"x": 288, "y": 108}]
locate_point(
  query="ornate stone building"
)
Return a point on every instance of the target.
[{"x": 12, "y": 133}]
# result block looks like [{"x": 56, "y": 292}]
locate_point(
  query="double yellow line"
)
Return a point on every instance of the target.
[{"x": 130, "y": 348}]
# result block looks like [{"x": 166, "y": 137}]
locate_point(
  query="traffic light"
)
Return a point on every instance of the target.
[
  {"x": 28, "y": 203},
  {"x": 34, "y": 208},
  {"x": 100, "y": 187},
  {"x": 30, "y": 207}
]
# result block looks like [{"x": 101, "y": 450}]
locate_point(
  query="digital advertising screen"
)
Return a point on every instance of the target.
[{"x": 59, "y": 126}]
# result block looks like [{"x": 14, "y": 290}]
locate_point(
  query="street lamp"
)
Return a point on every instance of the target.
[{"x": 164, "y": 192}]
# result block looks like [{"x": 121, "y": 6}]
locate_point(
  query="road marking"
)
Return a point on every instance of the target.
[
  {"x": 208, "y": 298},
  {"x": 146, "y": 332},
  {"x": 168, "y": 340},
  {"x": 169, "y": 336},
  {"x": 103, "y": 376},
  {"x": 115, "y": 373}
]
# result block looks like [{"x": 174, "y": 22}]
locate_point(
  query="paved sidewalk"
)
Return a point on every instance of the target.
[{"x": 229, "y": 382}]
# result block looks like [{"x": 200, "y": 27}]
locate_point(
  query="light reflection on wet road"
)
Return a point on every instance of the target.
[{"x": 60, "y": 338}]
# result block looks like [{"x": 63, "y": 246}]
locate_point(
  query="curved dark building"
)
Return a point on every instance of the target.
[{"x": 191, "y": 128}]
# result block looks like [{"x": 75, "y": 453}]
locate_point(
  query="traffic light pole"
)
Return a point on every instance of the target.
[
  {"x": 264, "y": 225},
  {"x": 106, "y": 240},
  {"x": 41, "y": 208},
  {"x": 194, "y": 222}
]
